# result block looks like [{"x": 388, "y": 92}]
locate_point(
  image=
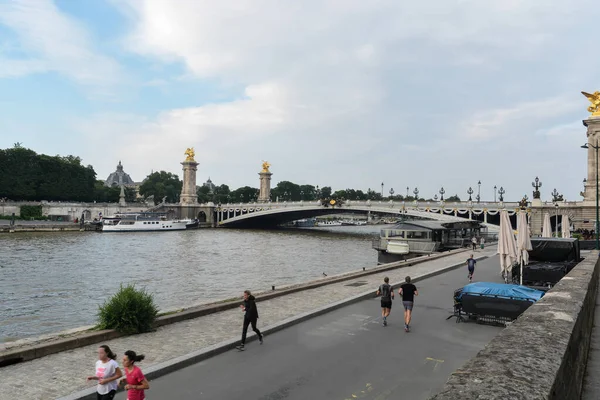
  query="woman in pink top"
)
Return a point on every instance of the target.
[{"x": 136, "y": 382}]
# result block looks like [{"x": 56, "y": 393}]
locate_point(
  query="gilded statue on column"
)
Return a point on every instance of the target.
[
  {"x": 265, "y": 166},
  {"x": 594, "y": 98},
  {"x": 189, "y": 152}
]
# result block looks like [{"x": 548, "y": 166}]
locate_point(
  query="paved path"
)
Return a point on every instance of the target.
[
  {"x": 591, "y": 383},
  {"x": 345, "y": 354},
  {"x": 63, "y": 373}
]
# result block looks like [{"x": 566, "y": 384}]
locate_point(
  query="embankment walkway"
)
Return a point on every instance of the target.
[{"x": 60, "y": 374}]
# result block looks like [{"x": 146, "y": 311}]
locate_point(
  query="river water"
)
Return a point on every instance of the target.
[{"x": 51, "y": 282}]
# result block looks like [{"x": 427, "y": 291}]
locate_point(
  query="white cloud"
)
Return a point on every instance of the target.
[{"x": 54, "y": 42}]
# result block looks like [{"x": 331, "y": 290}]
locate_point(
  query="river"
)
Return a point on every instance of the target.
[{"x": 51, "y": 282}]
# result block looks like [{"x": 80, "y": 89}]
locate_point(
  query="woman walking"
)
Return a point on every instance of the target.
[
  {"x": 135, "y": 380},
  {"x": 107, "y": 373}
]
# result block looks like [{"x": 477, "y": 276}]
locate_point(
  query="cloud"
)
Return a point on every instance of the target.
[{"x": 53, "y": 41}]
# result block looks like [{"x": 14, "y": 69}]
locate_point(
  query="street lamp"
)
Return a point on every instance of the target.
[
  {"x": 495, "y": 190},
  {"x": 381, "y": 189},
  {"x": 302, "y": 195},
  {"x": 416, "y": 192},
  {"x": 391, "y": 193},
  {"x": 556, "y": 220},
  {"x": 407, "y": 188},
  {"x": 555, "y": 195},
  {"x": 470, "y": 192},
  {"x": 537, "y": 184},
  {"x": 318, "y": 193},
  {"x": 478, "y": 191},
  {"x": 435, "y": 197},
  {"x": 442, "y": 191},
  {"x": 596, "y": 147},
  {"x": 501, "y": 192}
]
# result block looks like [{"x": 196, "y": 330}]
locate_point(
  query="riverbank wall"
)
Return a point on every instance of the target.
[
  {"x": 543, "y": 354},
  {"x": 30, "y": 349}
]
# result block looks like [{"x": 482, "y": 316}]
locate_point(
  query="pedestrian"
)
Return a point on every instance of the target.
[
  {"x": 135, "y": 381},
  {"x": 482, "y": 242},
  {"x": 250, "y": 318},
  {"x": 471, "y": 267},
  {"x": 107, "y": 374},
  {"x": 474, "y": 242},
  {"x": 386, "y": 291},
  {"x": 408, "y": 291}
]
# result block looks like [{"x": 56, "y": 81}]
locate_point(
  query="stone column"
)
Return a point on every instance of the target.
[
  {"x": 122, "y": 197},
  {"x": 265, "y": 184},
  {"x": 593, "y": 137},
  {"x": 188, "y": 191}
]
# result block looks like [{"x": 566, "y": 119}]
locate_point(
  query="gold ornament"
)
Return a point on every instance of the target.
[
  {"x": 332, "y": 202},
  {"x": 265, "y": 166},
  {"x": 595, "y": 100},
  {"x": 189, "y": 152}
]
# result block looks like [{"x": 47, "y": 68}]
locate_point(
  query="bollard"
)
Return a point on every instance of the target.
[
  {"x": 363, "y": 268},
  {"x": 273, "y": 287}
]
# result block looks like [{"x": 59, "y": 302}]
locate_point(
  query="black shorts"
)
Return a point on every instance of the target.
[
  {"x": 108, "y": 396},
  {"x": 471, "y": 270},
  {"x": 386, "y": 303}
]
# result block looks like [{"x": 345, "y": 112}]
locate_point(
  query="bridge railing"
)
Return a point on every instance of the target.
[{"x": 381, "y": 203}]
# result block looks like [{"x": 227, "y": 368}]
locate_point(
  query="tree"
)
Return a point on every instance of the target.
[
  {"x": 286, "y": 191},
  {"x": 221, "y": 194},
  {"x": 162, "y": 184},
  {"x": 308, "y": 192},
  {"x": 454, "y": 198},
  {"x": 204, "y": 195},
  {"x": 244, "y": 194},
  {"x": 325, "y": 192}
]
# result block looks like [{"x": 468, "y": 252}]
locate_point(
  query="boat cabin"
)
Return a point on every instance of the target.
[{"x": 439, "y": 233}]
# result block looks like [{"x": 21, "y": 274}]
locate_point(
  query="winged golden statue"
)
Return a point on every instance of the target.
[
  {"x": 265, "y": 166},
  {"x": 595, "y": 100},
  {"x": 189, "y": 152}
]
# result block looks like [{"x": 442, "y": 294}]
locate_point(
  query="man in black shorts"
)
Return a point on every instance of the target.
[
  {"x": 408, "y": 291},
  {"x": 387, "y": 294},
  {"x": 471, "y": 267}
]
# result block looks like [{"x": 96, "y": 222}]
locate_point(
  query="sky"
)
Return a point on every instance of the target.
[{"x": 341, "y": 93}]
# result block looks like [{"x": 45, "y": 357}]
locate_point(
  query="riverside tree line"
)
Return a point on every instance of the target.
[{"x": 26, "y": 175}]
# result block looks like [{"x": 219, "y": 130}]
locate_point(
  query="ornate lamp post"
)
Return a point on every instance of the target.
[
  {"x": 435, "y": 198},
  {"x": 382, "y": 189},
  {"x": 495, "y": 190},
  {"x": 318, "y": 193},
  {"x": 556, "y": 220},
  {"x": 442, "y": 191},
  {"x": 555, "y": 195},
  {"x": 302, "y": 195},
  {"x": 470, "y": 192},
  {"x": 537, "y": 184},
  {"x": 416, "y": 192},
  {"x": 501, "y": 192},
  {"x": 407, "y": 188},
  {"x": 478, "y": 191},
  {"x": 596, "y": 147},
  {"x": 391, "y": 193}
]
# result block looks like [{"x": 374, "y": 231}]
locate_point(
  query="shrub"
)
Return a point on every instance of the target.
[
  {"x": 129, "y": 311},
  {"x": 31, "y": 212}
]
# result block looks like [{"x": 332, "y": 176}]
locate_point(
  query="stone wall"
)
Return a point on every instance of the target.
[
  {"x": 543, "y": 354},
  {"x": 73, "y": 210}
]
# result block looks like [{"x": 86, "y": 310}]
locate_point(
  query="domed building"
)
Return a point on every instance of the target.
[{"x": 119, "y": 178}]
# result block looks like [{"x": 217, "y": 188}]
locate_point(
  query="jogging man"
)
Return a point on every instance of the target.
[
  {"x": 471, "y": 267},
  {"x": 387, "y": 294},
  {"x": 250, "y": 318},
  {"x": 408, "y": 291}
]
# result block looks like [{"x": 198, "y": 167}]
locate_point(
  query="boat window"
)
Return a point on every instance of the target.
[{"x": 416, "y": 235}]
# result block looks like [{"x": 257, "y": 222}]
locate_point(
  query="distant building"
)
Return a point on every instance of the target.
[
  {"x": 211, "y": 186},
  {"x": 119, "y": 178}
]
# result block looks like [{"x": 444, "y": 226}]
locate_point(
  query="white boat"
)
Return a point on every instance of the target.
[
  {"x": 352, "y": 222},
  {"x": 143, "y": 222},
  {"x": 396, "y": 247},
  {"x": 329, "y": 223}
]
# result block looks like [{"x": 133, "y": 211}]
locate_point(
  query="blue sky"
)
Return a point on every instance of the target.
[{"x": 340, "y": 93}]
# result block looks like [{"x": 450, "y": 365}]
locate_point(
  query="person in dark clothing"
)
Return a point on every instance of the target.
[
  {"x": 387, "y": 294},
  {"x": 408, "y": 291},
  {"x": 250, "y": 318}
]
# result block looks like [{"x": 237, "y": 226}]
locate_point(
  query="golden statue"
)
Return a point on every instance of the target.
[
  {"x": 595, "y": 100},
  {"x": 265, "y": 166},
  {"x": 189, "y": 152}
]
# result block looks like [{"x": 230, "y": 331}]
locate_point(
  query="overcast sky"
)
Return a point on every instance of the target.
[{"x": 345, "y": 93}]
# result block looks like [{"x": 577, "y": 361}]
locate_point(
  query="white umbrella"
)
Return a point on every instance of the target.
[
  {"x": 523, "y": 241},
  {"x": 547, "y": 227},
  {"x": 507, "y": 247},
  {"x": 566, "y": 226}
]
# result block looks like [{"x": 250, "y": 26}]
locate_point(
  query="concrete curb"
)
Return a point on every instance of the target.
[
  {"x": 167, "y": 367},
  {"x": 28, "y": 353}
]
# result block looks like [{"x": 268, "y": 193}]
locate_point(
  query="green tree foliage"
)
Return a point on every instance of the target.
[
  {"x": 31, "y": 212},
  {"x": 26, "y": 175},
  {"x": 244, "y": 195},
  {"x": 129, "y": 311},
  {"x": 325, "y": 192},
  {"x": 161, "y": 184},
  {"x": 204, "y": 195},
  {"x": 221, "y": 194},
  {"x": 454, "y": 198}
]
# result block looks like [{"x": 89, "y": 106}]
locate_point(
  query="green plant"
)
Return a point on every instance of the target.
[
  {"x": 31, "y": 212},
  {"x": 128, "y": 311}
]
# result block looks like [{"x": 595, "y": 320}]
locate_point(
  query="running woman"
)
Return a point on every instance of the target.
[
  {"x": 387, "y": 294},
  {"x": 250, "y": 318},
  {"x": 135, "y": 381},
  {"x": 471, "y": 267},
  {"x": 408, "y": 291},
  {"x": 107, "y": 374}
]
